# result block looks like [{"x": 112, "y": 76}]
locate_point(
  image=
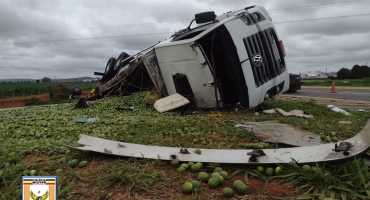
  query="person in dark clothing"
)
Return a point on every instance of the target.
[{"x": 75, "y": 93}]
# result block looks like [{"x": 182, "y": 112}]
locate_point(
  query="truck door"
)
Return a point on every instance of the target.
[{"x": 206, "y": 69}]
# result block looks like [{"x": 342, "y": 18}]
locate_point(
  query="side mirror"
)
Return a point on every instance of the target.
[{"x": 205, "y": 17}]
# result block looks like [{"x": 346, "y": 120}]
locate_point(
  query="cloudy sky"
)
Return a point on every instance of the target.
[{"x": 73, "y": 38}]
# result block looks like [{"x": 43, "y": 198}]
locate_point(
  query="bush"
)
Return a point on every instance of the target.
[{"x": 33, "y": 101}]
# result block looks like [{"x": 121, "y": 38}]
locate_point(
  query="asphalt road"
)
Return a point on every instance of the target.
[{"x": 342, "y": 93}]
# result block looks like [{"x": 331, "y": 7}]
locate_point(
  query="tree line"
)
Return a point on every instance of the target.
[
  {"x": 356, "y": 72},
  {"x": 44, "y": 80}
]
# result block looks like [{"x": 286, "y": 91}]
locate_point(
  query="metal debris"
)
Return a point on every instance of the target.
[
  {"x": 276, "y": 132},
  {"x": 254, "y": 154},
  {"x": 307, "y": 154},
  {"x": 184, "y": 151},
  {"x": 336, "y": 109},
  {"x": 345, "y": 122},
  {"x": 294, "y": 113}
]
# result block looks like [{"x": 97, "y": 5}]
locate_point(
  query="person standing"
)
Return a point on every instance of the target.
[{"x": 75, "y": 93}]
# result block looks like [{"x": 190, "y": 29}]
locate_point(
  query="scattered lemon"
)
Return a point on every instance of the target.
[
  {"x": 241, "y": 189},
  {"x": 306, "y": 168},
  {"x": 213, "y": 182},
  {"x": 261, "y": 169},
  {"x": 187, "y": 187},
  {"x": 217, "y": 169},
  {"x": 195, "y": 168},
  {"x": 197, "y": 151},
  {"x": 224, "y": 174},
  {"x": 181, "y": 170},
  {"x": 270, "y": 171},
  {"x": 227, "y": 192},
  {"x": 203, "y": 176},
  {"x": 278, "y": 170},
  {"x": 184, "y": 165},
  {"x": 195, "y": 183},
  {"x": 237, "y": 182},
  {"x": 175, "y": 163}
]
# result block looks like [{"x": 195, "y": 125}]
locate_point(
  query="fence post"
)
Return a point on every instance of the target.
[
  {"x": 31, "y": 91},
  {"x": 13, "y": 93},
  {"x": 39, "y": 91}
]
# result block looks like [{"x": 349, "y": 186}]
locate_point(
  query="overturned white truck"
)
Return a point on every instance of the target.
[{"x": 235, "y": 59}]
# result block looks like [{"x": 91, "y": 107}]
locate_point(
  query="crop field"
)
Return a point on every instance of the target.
[
  {"x": 32, "y": 142},
  {"x": 29, "y": 89}
]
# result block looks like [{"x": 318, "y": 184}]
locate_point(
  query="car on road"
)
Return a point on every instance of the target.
[{"x": 295, "y": 82}]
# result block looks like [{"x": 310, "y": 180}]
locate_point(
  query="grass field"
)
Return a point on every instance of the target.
[
  {"x": 365, "y": 82},
  {"x": 33, "y": 138}
]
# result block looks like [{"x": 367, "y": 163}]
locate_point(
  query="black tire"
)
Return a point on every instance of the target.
[
  {"x": 109, "y": 68},
  {"x": 119, "y": 62}
]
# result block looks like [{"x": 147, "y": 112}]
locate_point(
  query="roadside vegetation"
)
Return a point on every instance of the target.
[
  {"x": 29, "y": 89},
  {"x": 363, "y": 82},
  {"x": 34, "y": 101},
  {"x": 32, "y": 142}
]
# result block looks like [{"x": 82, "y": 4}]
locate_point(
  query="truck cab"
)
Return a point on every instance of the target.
[{"x": 235, "y": 59}]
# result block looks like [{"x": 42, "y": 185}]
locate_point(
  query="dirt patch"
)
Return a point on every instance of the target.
[{"x": 11, "y": 102}]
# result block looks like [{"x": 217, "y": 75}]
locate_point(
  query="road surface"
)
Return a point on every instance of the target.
[
  {"x": 345, "y": 97},
  {"x": 342, "y": 93}
]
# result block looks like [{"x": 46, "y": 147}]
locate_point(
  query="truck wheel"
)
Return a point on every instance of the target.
[
  {"x": 121, "y": 57},
  {"x": 109, "y": 68}
]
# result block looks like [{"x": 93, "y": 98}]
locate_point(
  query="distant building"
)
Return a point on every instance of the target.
[
  {"x": 63, "y": 81},
  {"x": 90, "y": 80},
  {"x": 314, "y": 74}
]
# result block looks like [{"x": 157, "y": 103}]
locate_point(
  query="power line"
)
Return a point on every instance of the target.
[
  {"x": 326, "y": 18},
  {"x": 93, "y": 38},
  {"x": 108, "y": 37},
  {"x": 103, "y": 27},
  {"x": 175, "y": 21},
  {"x": 317, "y": 5}
]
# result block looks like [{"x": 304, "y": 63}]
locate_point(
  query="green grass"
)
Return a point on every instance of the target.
[
  {"x": 350, "y": 180},
  {"x": 42, "y": 132},
  {"x": 364, "y": 82}
]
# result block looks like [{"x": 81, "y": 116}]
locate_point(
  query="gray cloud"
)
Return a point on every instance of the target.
[{"x": 310, "y": 45}]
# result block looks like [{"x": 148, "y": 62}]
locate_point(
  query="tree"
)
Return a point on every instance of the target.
[
  {"x": 37, "y": 81},
  {"x": 46, "y": 80},
  {"x": 358, "y": 71},
  {"x": 344, "y": 73}
]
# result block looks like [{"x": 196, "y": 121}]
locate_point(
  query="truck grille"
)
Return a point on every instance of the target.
[{"x": 265, "y": 44}]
